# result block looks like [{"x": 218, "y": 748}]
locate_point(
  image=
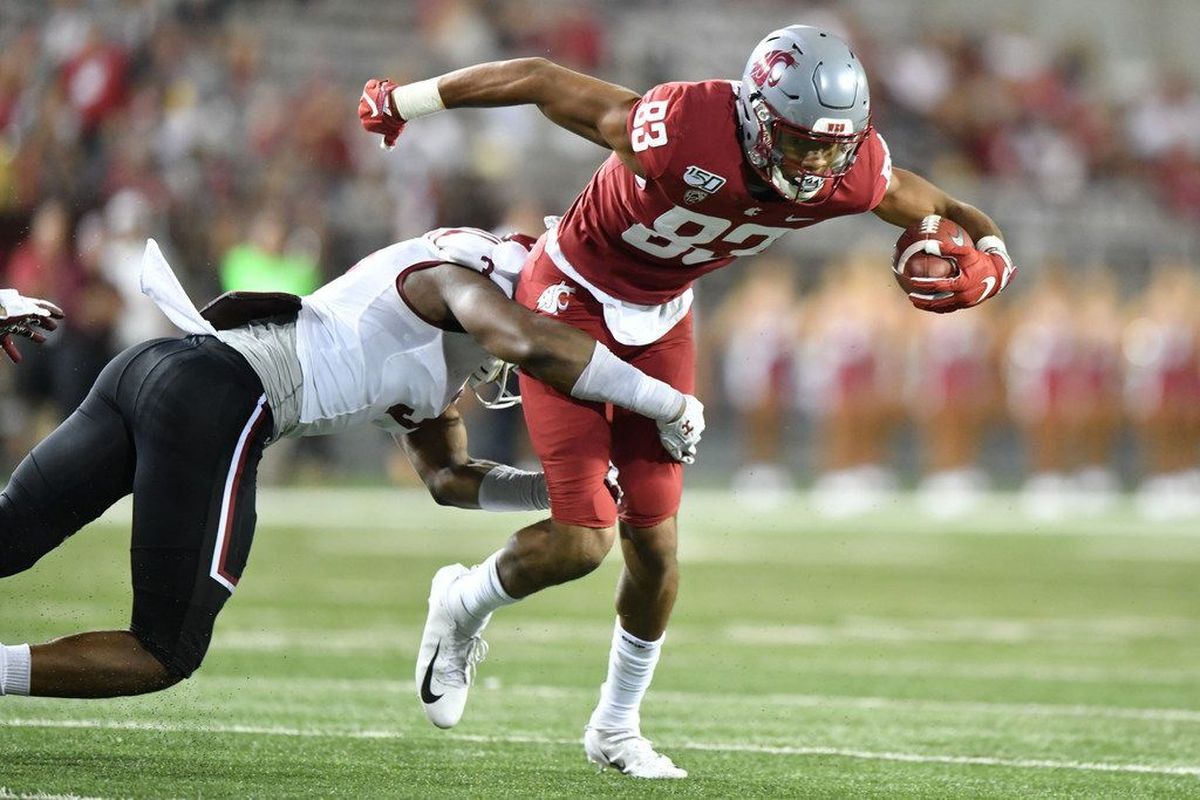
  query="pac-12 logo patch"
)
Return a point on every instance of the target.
[{"x": 553, "y": 299}]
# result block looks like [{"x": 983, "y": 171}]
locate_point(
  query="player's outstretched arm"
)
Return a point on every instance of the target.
[
  {"x": 438, "y": 452},
  {"x": 586, "y": 106},
  {"x": 555, "y": 353},
  {"x": 983, "y": 270}
]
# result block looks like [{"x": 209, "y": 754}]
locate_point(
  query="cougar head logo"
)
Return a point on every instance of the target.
[
  {"x": 769, "y": 69},
  {"x": 554, "y": 298}
]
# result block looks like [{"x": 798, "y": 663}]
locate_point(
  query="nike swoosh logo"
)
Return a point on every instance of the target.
[
  {"x": 427, "y": 695},
  {"x": 989, "y": 283},
  {"x": 957, "y": 238},
  {"x": 790, "y": 218}
]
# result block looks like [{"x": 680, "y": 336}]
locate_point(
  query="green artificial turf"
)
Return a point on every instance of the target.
[{"x": 886, "y": 656}]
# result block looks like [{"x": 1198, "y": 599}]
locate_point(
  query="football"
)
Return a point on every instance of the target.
[{"x": 918, "y": 251}]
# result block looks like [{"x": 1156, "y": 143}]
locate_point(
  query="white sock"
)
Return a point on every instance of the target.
[
  {"x": 14, "y": 669},
  {"x": 480, "y": 591},
  {"x": 631, "y": 663}
]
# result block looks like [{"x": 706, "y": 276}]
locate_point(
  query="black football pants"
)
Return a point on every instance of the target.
[{"x": 180, "y": 423}]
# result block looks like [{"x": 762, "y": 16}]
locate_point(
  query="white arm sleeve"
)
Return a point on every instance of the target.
[
  {"x": 608, "y": 379},
  {"x": 506, "y": 488}
]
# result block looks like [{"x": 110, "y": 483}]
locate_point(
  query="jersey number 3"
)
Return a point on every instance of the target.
[{"x": 648, "y": 128}]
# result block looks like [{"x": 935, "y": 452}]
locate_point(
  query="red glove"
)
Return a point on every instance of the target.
[
  {"x": 982, "y": 273},
  {"x": 377, "y": 111},
  {"x": 23, "y": 316}
]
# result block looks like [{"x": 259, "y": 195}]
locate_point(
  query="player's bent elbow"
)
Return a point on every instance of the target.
[
  {"x": 531, "y": 77},
  {"x": 520, "y": 348},
  {"x": 542, "y": 348}
]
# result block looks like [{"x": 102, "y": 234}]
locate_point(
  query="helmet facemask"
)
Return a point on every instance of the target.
[
  {"x": 798, "y": 162},
  {"x": 494, "y": 373}
]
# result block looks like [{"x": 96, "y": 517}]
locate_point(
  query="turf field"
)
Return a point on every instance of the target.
[{"x": 884, "y": 657}]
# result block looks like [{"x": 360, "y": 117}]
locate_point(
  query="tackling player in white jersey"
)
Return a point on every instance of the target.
[{"x": 181, "y": 424}]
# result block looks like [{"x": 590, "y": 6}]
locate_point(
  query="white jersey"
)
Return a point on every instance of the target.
[{"x": 364, "y": 355}]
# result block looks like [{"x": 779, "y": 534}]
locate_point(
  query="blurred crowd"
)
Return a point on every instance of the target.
[
  {"x": 1075, "y": 373},
  {"x": 205, "y": 124}
]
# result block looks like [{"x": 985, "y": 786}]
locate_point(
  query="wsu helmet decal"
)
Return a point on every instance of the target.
[{"x": 768, "y": 70}]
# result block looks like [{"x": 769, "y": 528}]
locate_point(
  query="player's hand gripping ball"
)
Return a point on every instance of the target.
[
  {"x": 942, "y": 270},
  {"x": 923, "y": 254}
]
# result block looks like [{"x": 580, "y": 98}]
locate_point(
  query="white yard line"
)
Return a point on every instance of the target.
[
  {"x": 1033, "y": 673},
  {"x": 383, "y": 508},
  {"x": 9, "y": 794},
  {"x": 837, "y": 752},
  {"x": 847, "y": 631},
  {"x": 697, "y": 699},
  {"x": 890, "y": 704},
  {"x": 918, "y": 758}
]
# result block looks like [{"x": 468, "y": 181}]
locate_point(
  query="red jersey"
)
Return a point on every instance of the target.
[{"x": 645, "y": 240}]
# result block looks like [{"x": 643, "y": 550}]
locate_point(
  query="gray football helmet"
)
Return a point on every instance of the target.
[{"x": 803, "y": 110}]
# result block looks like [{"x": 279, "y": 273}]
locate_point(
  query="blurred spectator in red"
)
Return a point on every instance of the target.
[
  {"x": 576, "y": 38},
  {"x": 1099, "y": 322},
  {"x": 1162, "y": 353},
  {"x": 1178, "y": 176},
  {"x": 1165, "y": 118},
  {"x": 953, "y": 390},
  {"x": 317, "y": 129},
  {"x": 756, "y": 329},
  {"x": 852, "y": 376},
  {"x": 95, "y": 80},
  {"x": 44, "y": 265},
  {"x": 1041, "y": 353},
  {"x": 54, "y": 378}
]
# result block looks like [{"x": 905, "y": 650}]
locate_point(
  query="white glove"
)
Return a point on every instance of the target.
[
  {"x": 681, "y": 435},
  {"x": 23, "y": 316}
]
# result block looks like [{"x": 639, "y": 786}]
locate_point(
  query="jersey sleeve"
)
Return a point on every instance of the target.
[
  {"x": 879, "y": 162},
  {"x": 655, "y": 127}
]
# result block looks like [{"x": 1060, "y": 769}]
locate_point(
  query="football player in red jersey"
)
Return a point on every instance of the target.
[{"x": 701, "y": 173}]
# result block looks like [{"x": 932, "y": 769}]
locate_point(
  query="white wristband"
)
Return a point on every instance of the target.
[
  {"x": 418, "y": 99},
  {"x": 506, "y": 488},
  {"x": 991, "y": 243},
  {"x": 608, "y": 379},
  {"x": 994, "y": 244}
]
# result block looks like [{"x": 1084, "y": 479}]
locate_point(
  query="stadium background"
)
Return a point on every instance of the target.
[
  {"x": 226, "y": 130},
  {"x": 1021, "y": 649}
]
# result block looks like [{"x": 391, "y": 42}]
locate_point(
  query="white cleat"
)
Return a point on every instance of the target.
[
  {"x": 628, "y": 752},
  {"x": 447, "y": 659}
]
